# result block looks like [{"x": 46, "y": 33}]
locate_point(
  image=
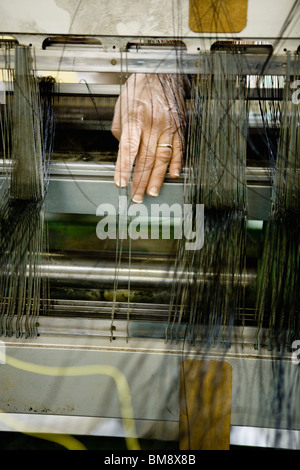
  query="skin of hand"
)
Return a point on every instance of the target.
[{"x": 149, "y": 111}]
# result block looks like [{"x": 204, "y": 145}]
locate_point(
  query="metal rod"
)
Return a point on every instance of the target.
[{"x": 93, "y": 272}]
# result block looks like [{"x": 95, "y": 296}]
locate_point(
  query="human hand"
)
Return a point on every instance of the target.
[{"x": 149, "y": 122}]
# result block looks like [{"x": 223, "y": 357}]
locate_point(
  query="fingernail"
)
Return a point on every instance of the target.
[
  {"x": 176, "y": 173},
  {"x": 137, "y": 199},
  {"x": 121, "y": 183},
  {"x": 153, "y": 192}
]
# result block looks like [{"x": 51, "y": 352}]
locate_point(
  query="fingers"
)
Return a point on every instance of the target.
[
  {"x": 128, "y": 150},
  {"x": 165, "y": 158},
  {"x": 152, "y": 163},
  {"x": 175, "y": 166},
  {"x": 143, "y": 168},
  {"x": 143, "y": 118}
]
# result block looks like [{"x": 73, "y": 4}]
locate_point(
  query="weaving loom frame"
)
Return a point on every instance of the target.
[{"x": 90, "y": 340}]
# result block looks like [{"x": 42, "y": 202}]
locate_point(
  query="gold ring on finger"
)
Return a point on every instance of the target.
[{"x": 165, "y": 145}]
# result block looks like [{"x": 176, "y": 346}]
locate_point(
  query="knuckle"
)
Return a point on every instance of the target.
[
  {"x": 163, "y": 156},
  {"x": 145, "y": 162},
  {"x": 157, "y": 119},
  {"x": 178, "y": 148},
  {"x": 129, "y": 145}
]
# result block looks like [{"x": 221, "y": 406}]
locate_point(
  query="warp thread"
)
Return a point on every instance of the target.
[{"x": 27, "y": 124}]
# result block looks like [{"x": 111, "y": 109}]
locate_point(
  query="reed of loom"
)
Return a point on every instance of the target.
[
  {"x": 216, "y": 159},
  {"x": 22, "y": 219},
  {"x": 278, "y": 275}
]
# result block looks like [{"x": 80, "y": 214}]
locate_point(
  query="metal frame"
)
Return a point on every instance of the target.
[{"x": 89, "y": 404}]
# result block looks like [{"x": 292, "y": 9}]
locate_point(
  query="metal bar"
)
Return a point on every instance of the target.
[
  {"x": 79, "y": 188},
  {"x": 98, "y": 270},
  {"x": 158, "y": 61}
]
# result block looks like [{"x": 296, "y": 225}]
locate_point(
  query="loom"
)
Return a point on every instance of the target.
[{"x": 66, "y": 379}]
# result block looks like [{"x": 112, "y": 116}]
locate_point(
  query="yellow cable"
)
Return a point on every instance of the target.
[
  {"x": 113, "y": 372},
  {"x": 64, "y": 440}
]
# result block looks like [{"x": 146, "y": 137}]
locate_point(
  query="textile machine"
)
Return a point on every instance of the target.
[{"x": 84, "y": 372}]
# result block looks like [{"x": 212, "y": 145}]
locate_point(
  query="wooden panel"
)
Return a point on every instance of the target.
[
  {"x": 218, "y": 16},
  {"x": 205, "y": 405}
]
